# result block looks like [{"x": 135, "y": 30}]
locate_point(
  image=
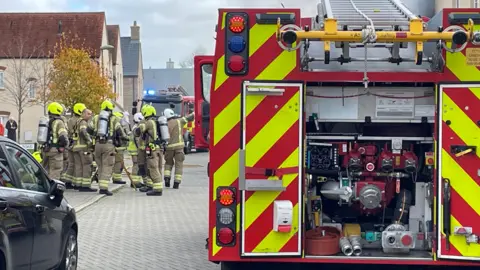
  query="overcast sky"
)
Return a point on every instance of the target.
[{"x": 169, "y": 28}]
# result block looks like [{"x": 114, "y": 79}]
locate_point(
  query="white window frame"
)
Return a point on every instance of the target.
[
  {"x": 457, "y": 4},
  {"x": 2, "y": 79},
  {"x": 31, "y": 90},
  {"x": 476, "y": 3}
]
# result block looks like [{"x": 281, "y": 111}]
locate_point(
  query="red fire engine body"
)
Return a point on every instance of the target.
[{"x": 319, "y": 156}]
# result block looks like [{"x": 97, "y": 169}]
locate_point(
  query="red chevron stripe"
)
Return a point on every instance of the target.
[
  {"x": 452, "y": 252},
  {"x": 292, "y": 244},
  {"x": 463, "y": 212},
  {"x": 279, "y": 152},
  {"x": 257, "y": 63},
  {"x": 262, "y": 226},
  {"x": 225, "y": 148},
  {"x": 469, "y": 163},
  {"x": 466, "y": 101},
  {"x": 266, "y": 110}
]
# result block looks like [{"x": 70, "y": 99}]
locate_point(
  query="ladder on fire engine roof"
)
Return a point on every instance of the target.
[{"x": 386, "y": 15}]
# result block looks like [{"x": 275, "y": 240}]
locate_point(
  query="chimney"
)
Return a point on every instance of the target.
[
  {"x": 170, "y": 64},
  {"x": 135, "y": 31}
]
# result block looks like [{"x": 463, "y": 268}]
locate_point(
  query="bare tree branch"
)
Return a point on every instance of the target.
[{"x": 188, "y": 62}]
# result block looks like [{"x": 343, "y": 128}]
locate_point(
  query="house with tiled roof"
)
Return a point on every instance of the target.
[
  {"x": 132, "y": 67},
  {"x": 27, "y": 43},
  {"x": 113, "y": 32}
]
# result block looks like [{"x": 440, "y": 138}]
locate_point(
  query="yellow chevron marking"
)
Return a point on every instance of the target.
[
  {"x": 224, "y": 19},
  {"x": 463, "y": 184},
  {"x": 215, "y": 247},
  {"x": 226, "y": 174},
  {"x": 259, "y": 201},
  {"x": 226, "y": 120},
  {"x": 458, "y": 241},
  {"x": 280, "y": 68},
  {"x": 272, "y": 131},
  {"x": 461, "y": 124},
  {"x": 275, "y": 241},
  {"x": 220, "y": 76}
]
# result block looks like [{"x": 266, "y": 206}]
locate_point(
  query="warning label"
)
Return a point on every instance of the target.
[
  {"x": 473, "y": 56},
  {"x": 395, "y": 105}
]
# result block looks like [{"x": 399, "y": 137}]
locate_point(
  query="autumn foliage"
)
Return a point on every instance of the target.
[{"x": 76, "y": 77}]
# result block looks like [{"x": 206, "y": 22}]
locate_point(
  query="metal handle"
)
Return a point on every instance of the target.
[
  {"x": 265, "y": 91},
  {"x": 39, "y": 208},
  {"x": 446, "y": 212},
  {"x": 254, "y": 184}
]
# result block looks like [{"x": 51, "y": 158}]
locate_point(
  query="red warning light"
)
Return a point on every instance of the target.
[
  {"x": 226, "y": 196},
  {"x": 236, "y": 63},
  {"x": 237, "y": 24}
]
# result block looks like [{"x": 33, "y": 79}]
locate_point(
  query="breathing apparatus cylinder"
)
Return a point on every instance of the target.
[
  {"x": 102, "y": 125},
  {"x": 42, "y": 134},
  {"x": 163, "y": 126}
]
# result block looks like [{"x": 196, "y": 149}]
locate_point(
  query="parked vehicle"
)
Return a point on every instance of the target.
[{"x": 38, "y": 227}]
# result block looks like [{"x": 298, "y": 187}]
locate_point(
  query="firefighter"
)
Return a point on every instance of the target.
[
  {"x": 54, "y": 139},
  {"x": 133, "y": 150},
  {"x": 120, "y": 151},
  {"x": 82, "y": 146},
  {"x": 174, "y": 153},
  {"x": 106, "y": 129},
  {"x": 68, "y": 175},
  {"x": 150, "y": 142},
  {"x": 67, "y": 178}
]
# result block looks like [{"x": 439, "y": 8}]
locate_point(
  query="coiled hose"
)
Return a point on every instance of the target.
[{"x": 325, "y": 241}]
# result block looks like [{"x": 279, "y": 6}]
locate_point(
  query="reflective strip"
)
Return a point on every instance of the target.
[
  {"x": 178, "y": 177},
  {"x": 167, "y": 172},
  {"x": 158, "y": 186},
  {"x": 175, "y": 145},
  {"x": 103, "y": 184},
  {"x": 180, "y": 135},
  {"x": 117, "y": 176},
  {"x": 86, "y": 182}
]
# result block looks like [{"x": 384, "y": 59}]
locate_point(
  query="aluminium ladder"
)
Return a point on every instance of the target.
[{"x": 387, "y": 15}]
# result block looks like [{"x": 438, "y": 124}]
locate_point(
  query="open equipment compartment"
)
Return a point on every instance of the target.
[{"x": 369, "y": 170}]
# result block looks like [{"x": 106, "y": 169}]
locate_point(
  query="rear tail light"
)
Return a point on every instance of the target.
[
  {"x": 226, "y": 207},
  {"x": 226, "y": 196},
  {"x": 236, "y": 40},
  {"x": 225, "y": 236}
]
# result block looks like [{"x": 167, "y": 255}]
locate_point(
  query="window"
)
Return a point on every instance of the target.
[
  {"x": 457, "y": 4},
  {"x": 475, "y": 3},
  {"x": 5, "y": 174},
  {"x": 31, "y": 176},
  {"x": 31, "y": 90},
  {"x": 206, "y": 80},
  {"x": 2, "y": 85}
]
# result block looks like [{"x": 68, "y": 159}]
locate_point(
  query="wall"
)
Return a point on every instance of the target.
[
  {"x": 106, "y": 59},
  {"x": 118, "y": 70},
  {"x": 128, "y": 85},
  {"x": 32, "y": 110}
]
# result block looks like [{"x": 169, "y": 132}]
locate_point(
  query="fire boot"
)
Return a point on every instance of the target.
[
  {"x": 105, "y": 192},
  {"x": 87, "y": 189},
  {"x": 119, "y": 182},
  {"x": 167, "y": 181},
  {"x": 154, "y": 193},
  {"x": 176, "y": 185},
  {"x": 69, "y": 185},
  {"x": 137, "y": 185},
  {"x": 145, "y": 189}
]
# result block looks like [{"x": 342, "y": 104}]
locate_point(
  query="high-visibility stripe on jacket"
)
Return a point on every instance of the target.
[
  {"x": 83, "y": 137},
  {"x": 133, "y": 143},
  {"x": 175, "y": 126},
  {"x": 148, "y": 133}
]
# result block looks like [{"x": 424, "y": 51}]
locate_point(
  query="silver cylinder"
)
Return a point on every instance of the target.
[
  {"x": 356, "y": 243},
  {"x": 345, "y": 246}
]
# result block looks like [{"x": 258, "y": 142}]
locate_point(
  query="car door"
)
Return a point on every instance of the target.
[
  {"x": 16, "y": 220},
  {"x": 48, "y": 241}
]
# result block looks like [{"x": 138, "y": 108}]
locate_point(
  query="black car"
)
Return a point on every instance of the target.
[{"x": 38, "y": 228}]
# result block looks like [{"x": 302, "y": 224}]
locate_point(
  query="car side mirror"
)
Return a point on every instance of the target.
[{"x": 56, "y": 192}]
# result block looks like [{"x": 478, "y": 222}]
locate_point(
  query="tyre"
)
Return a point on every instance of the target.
[
  {"x": 229, "y": 266},
  {"x": 70, "y": 254},
  {"x": 3, "y": 262}
]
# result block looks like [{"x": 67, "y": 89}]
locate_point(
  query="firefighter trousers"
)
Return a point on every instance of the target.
[
  {"x": 83, "y": 162},
  {"x": 136, "y": 177},
  {"x": 105, "y": 158},
  {"x": 142, "y": 168},
  {"x": 67, "y": 175},
  {"x": 174, "y": 157},
  {"x": 117, "y": 167},
  {"x": 154, "y": 166},
  {"x": 53, "y": 163}
]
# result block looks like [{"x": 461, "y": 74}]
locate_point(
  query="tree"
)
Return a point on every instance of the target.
[
  {"x": 77, "y": 78},
  {"x": 19, "y": 78},
  {"x": 43, "y": 69},
  {"x": 188, "y": 62}
]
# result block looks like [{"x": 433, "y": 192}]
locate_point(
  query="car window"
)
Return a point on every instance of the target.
[
  {"x": 29, "y": 173},
  {"x": 5, "y": 174}
]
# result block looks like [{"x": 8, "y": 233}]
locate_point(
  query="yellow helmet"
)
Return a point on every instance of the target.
[
  {"x": 55, "y": 108},
  {"x": 149, "y": 111},
  {"x": 118, "y": 114},
  {"x": 79, "y": 108},
  {"x": 107, "y": 105},
  {"x": 144, "y": 108},
  {"x": 37, "y": 156}
]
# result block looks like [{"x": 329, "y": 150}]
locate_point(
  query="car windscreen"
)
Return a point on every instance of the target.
[{"x": 160, "y": 107}]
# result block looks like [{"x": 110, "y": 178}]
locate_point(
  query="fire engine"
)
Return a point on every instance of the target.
[
  {"x": 181, "y": 105},
  {"x": 347, "y": 138}
]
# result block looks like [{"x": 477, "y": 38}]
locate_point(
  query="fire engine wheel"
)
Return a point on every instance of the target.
[
  {"x": 231, "y": 266},
  {"x": 188, "y": 145}
]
